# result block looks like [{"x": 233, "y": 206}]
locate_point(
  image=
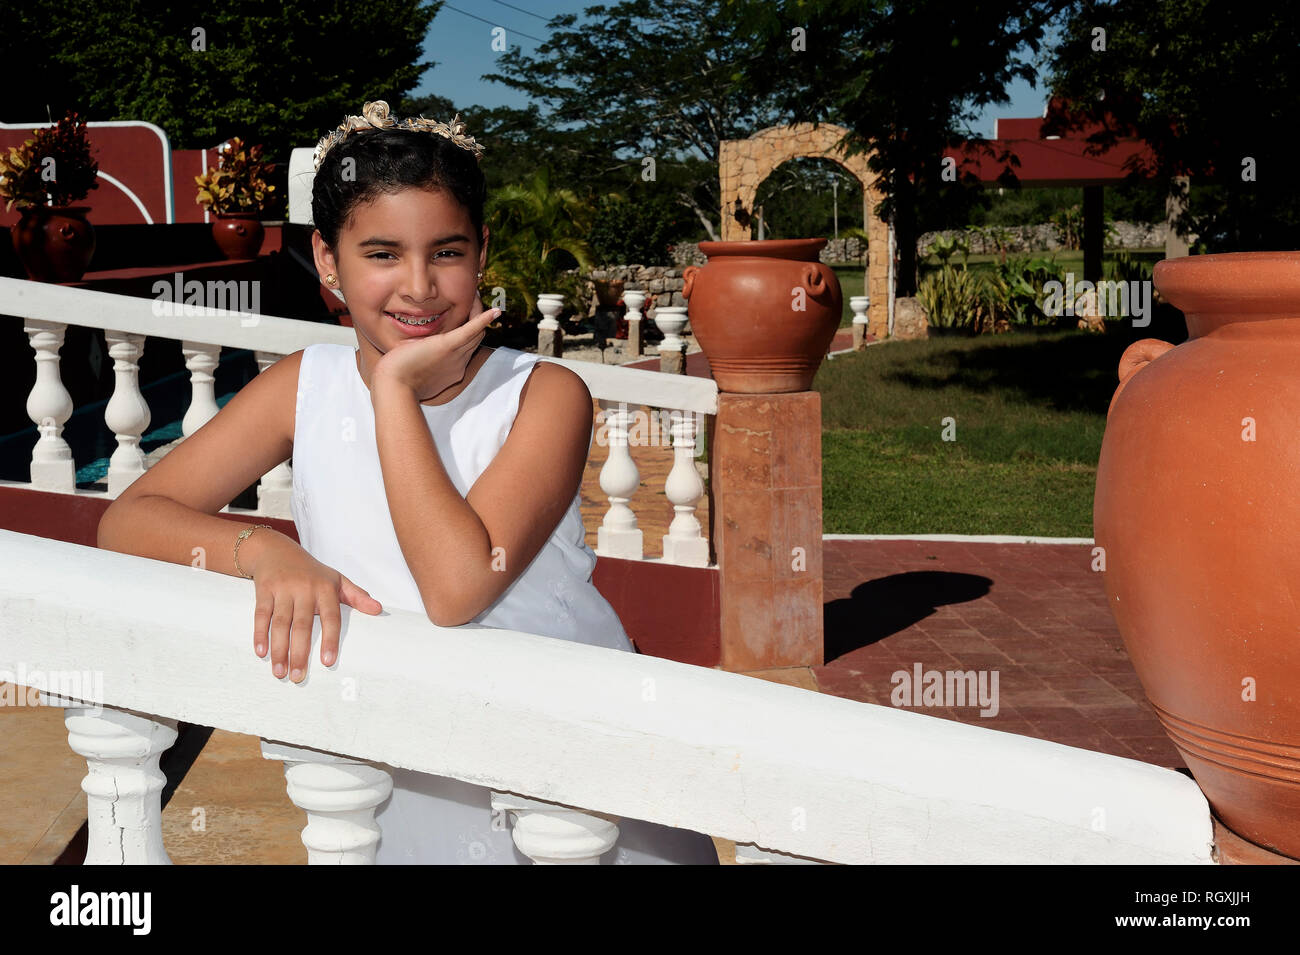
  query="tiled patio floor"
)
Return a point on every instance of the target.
[{"x": 1035, "y": 613}]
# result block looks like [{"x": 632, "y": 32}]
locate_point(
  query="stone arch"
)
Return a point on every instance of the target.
[{"x": 743, "y": 164}]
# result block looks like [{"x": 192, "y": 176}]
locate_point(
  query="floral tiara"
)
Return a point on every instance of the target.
[{"x": 375, "y": 116}]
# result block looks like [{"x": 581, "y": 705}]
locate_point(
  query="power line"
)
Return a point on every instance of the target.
[
  {"x": 522, "y": 10},
  {"x": 492, "y": 23}
]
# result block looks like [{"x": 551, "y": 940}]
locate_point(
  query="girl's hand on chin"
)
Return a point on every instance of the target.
[{"x": 429, "y": 366}]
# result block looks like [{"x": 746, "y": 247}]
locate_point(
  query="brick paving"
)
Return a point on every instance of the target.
[{"x": 1035, "y": 613}]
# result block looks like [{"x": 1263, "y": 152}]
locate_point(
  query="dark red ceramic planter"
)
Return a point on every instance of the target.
[
  {"x": 54, "y": 244},
  {"x": 239, "y": 234}
]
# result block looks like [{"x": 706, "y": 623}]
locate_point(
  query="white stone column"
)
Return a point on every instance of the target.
[
  {"x": 124, "y": 784},
  {"x": 750, "y": 854},
  {"x": 201, "y": 360},
  {"x": 340, "y": 796},
  {"x": 553, "y": 834},
  {"x": 49, "y": 406},
  {"x": 684, "y": 543},
  {"x": 618, "y": 534},
  {"x": 127, "y": 413}
]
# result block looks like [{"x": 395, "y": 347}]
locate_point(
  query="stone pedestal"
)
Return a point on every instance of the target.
[
  {"x": 672, "y": 362},
  {"x": 766, "y": 467},
  {"x": 635, "y": 346},
  {"x": 859, "y": 337},
  {"x": 550, "y": 342}
]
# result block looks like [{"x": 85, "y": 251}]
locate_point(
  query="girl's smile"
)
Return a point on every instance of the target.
[{"x": 408, "y": 264}]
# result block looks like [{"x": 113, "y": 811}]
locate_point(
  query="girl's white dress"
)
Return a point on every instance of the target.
[{"x": 435, "y": 819}]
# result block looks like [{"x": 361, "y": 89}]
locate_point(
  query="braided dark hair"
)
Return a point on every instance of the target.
[{"x": 387, "y": 160}]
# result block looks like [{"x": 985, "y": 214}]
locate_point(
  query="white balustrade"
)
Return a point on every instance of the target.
[
  {"x": 790, "y": 775},
  {"x": 49, "y": 406},
  {"x": 201, "y": 360},
  {"x": 129, "y": 321},
  {"x": 127, "y": 413},
  {"x": 618, "y": 535},
  {"x": 684, "y": 544},
  {"x": 340, "y": 797},
  {"x": 123, "y": 784},
  {"x": 551, "y": 834}
]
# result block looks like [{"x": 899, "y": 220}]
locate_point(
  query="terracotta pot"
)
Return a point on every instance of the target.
[
  {"x": 763, "y": 312},
  {"x": 239, "y": 234},
  {"x": 1196, "y": 512},
  {"x": 54, "y": 244}
]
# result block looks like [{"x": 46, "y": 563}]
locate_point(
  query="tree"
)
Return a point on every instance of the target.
[
  {"x": 1212, "y": 87},
  {"x": 906, "y": 79},
  {"x": 647, "y": 78},
  {"x": 536, "y": 234},
  {"x": 279, "y": 72}
]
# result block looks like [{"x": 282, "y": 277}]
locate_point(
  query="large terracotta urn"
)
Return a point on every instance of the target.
[
  {"x": 54, "y": 243},
  {"x": 763, "y": 312},
  {"x": 1197, "y": 517}
]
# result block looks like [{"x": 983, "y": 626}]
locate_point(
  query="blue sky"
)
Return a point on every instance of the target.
[{"x": 460, "y": 40}]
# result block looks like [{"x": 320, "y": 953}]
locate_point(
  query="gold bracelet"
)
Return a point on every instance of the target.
[{"x": 243, "y": 536}]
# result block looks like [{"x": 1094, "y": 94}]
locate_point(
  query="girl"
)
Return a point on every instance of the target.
[{"x": 422, "y": 451}]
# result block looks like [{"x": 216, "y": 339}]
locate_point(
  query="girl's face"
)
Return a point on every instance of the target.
[{"x": 412, "y": 253}]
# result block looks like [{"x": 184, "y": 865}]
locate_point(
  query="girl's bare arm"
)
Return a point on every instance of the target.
[{"x": 168, "y": 513}]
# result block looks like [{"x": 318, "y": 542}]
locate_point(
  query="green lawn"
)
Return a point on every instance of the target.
[{"x": 1029, "y": 412}]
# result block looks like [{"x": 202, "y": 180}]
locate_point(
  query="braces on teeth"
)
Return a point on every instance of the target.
[{"x": 405, "y": 322}]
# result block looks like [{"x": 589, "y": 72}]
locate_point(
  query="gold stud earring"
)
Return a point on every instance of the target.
[{"x": 331, "y": 280}]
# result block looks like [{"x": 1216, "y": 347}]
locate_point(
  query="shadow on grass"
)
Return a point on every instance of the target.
[
  {"x": 1066, "y": 371},
  {"x": 887, "y": 605}
]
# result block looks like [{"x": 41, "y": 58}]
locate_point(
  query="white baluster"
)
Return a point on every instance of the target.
[
  {"x": 127, "y": 414},
  {"x": 49, "y": 406},
  {"x": 339, "y": 796},
  {"x": 201, "y": 360},
  {"x": 553, "y": 834},
  {"x": 275, "y": 491},
  {"x": 618, "y": 535},
  {"x": 684, "y": 544},
  {"x": 750, "y": 854},
  {"x": 124, "y": 785}
]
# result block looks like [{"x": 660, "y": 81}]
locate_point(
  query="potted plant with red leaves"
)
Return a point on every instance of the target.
[
  {"x": 235, "y": 192},
  {"x": 44, "y": 177}
]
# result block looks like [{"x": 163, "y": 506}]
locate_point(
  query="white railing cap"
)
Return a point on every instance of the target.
[
  {"x": 42, "y": 301},
  {"x": 721, "y": 753}
]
